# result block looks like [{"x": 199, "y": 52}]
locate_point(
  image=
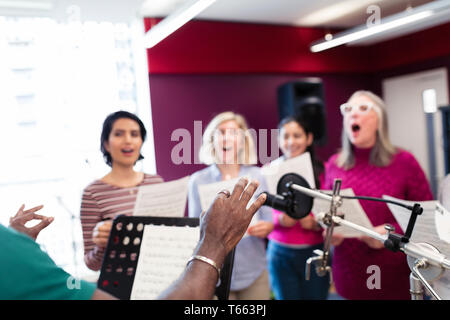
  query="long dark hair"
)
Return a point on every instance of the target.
[
  {"x": 107, "y": 127},
  {"x": 318, "y": 166}
]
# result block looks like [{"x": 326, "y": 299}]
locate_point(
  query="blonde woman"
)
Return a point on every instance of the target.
[
  {"x": 229, "y": 150},
  {"x": 370, "y": 165}
]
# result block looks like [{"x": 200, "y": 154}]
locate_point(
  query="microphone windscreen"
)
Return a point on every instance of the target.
[{"x": 277, "y": 202}]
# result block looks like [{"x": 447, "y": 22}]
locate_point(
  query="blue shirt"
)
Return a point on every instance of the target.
[
  {"x": 26, "y": 272},
  {"x": 250, "y": 255}
]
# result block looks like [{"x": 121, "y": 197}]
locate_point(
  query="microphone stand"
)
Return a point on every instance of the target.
[
  {"x": 424, "y": 260},
  {"x": 321, "y": 260}
]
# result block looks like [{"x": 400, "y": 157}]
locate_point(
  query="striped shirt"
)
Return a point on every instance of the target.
[{"x": 103, "y": 201}]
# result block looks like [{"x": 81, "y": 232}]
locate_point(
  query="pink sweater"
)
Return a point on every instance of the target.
[
  {"x": 295, "y": 235},
  {"x": 403, "y": 178}
]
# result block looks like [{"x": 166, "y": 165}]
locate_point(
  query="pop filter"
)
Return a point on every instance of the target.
[{"x": 294, "y": 203}]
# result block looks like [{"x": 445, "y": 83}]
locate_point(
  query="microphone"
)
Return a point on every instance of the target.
[
  {"x": 278, "y": 202},
  {"x": 295, "y": 204}
]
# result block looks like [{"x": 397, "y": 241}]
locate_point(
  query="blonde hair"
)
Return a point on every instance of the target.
[
  {"x": 207, "y": 153},
  {"x": 382, "y": 151}
]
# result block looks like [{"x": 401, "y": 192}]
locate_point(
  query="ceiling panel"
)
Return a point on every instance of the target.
[{"x": 318, "y": 13}]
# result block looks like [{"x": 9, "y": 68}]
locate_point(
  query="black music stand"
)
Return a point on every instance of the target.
[{"x": 120, "y": 260}]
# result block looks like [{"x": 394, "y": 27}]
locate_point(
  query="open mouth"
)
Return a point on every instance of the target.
[
  {"x": 356, "y": 128},
  {"x": 226, "y": 149},
  {"x": 127, "y": 151}
]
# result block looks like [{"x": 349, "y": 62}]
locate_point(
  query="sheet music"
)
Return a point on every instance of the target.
[
  {"x": 425, "y": 227},
  {"x": 301, "y": 165},
  {"x": 425, "y": 230},
  {"x": 166, "y": 199},
  {"x": 352, "y": 210},
  {"x": 164, "y": 252},
  {"x": 442, "y": 221}
]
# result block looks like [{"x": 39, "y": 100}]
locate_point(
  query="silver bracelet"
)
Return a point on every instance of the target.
[{"x": 207, "y": 260}]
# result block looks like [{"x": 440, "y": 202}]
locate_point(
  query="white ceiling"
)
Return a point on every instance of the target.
[
  {"x": 312, "y": 13},
  {"x": 342, "y": 14}
]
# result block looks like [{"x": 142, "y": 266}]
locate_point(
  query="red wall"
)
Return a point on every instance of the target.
[
  {"x": 202, "y": 47},
  {"x": 179, "y": 100},
  {"x": 220, "y": 47},
  {"x": 415, "y": 48}
]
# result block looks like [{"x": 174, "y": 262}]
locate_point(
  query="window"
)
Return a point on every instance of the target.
[{"x": 58, "y": 83}]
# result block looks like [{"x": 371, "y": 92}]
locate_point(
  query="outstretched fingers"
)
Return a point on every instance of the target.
[
  {"x": 248, "y": 193},
  {"x": 19, "y": 212},
  {"x": 28, "y": 214},
  {"x": 37, "y": 208},
  {"x": 257, "y": 204},
  {"x": 238, "y": 189}
]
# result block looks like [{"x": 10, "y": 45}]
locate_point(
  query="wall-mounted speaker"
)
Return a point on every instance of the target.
[{"x": 305, "y": 98}]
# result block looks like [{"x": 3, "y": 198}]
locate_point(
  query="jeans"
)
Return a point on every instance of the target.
[{"x": 287, "y": 274}]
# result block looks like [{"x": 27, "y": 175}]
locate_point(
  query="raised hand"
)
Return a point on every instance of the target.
[
  {"x": 227, "y": 219},
  {"x": 22, "y": 217}
]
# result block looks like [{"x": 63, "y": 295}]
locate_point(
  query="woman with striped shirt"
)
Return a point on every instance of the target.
[{"x": 121, "y": 140}]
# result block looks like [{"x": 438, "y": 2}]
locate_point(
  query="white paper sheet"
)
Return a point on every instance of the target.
[
  {"x": 166, "y": 199},
  {"x": 442, "y": 221},
  {"x": 208, "y": 192},
  {"x": 301, "y": 165},
  {"x": 352, "y": 210},
  {"x": 425, "y": 226},
  {"x": 425, "y": 230},
  {"x": 164, "y": 253}
]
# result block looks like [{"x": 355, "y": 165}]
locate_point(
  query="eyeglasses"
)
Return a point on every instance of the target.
[{"x": 346, "y": 108}]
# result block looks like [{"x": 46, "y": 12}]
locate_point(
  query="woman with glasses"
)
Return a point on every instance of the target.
[
  {"x": 228, "y": 149},
  {"x": 370, "y": 165}
]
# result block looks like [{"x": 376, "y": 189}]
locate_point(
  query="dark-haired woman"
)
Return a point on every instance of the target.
[
  {"x": 122, "y": 137},
  {"x": 292, "y": 242}
]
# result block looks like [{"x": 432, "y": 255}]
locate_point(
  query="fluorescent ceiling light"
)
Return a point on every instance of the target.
[
  {"x": 174, "y": 21},
  {"x": 368, "y": 31},
  {"x": 433, "y": 12}
]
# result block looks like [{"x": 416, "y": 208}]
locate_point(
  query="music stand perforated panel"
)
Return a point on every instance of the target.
[{"x": 122, "y": 255}]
